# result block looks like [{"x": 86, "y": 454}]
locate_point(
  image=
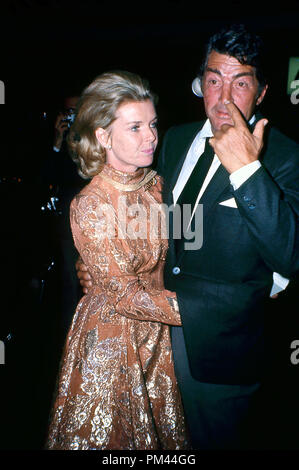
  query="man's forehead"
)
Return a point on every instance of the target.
[{"x": 226, "y": 64}]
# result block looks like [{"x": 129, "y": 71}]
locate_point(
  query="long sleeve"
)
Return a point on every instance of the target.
[
  {"x": 270, "y": 208},
  {"x": 117, "y": 266}
]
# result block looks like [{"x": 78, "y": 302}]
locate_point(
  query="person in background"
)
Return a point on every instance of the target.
[{"x": 61, "y": 181}]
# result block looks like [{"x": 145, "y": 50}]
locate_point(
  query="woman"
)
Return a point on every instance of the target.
[{"x": 117, "y": 388}]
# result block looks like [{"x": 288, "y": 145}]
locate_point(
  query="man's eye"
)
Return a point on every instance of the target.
[
  {"x": 242, "y": 84},
  {"x": 134, "y": 128},
  {"x": 213, "y": 82},
  {"x": 154, "y": 125}
]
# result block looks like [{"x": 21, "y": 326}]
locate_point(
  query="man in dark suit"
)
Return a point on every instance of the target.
[{"x": 246, "y": 181}]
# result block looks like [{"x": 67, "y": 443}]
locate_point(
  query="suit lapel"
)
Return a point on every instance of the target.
[
  {"x": 177, "y": 160},
  {"x": 217, "y": 185},
  {"x": 175, "y": 165}
]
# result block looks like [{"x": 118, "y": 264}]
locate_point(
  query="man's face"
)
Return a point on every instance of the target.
[{"x": 226, "y": 79}]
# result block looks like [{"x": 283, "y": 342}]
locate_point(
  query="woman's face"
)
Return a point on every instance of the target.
[{"x": 133, "y": 136}]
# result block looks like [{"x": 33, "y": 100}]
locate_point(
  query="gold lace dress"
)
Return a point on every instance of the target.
[{"x": 117, "y": 387}]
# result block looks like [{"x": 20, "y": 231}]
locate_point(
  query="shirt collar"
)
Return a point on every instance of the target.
[{"x": 206, "y": 130}]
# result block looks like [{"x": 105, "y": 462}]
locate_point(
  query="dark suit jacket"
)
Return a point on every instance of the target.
[{"x": 223, "y": 287}]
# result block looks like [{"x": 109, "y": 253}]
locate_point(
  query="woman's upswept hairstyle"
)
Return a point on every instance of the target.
[{"x": 96, "y": 108}]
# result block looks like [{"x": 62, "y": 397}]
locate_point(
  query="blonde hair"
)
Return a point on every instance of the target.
[{"x": 96, "y": 108}]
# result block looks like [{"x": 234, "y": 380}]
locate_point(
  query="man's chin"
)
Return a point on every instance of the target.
[
  {"x": 227, "y": 123},
  {"x": 221, "y": 122}
]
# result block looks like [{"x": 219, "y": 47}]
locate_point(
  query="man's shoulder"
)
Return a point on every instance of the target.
[
  {"x": 277, "y": 138},
  {"x": 281, "y": 154},
  {"x": 175, "y": 142},
  {"x": 177, "y": 138},
  {"x": 278, "y": 144}
]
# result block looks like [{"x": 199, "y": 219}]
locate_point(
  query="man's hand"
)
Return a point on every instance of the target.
[
  {"x": 83, "y": 276},
  {"x": 234, "y": 145}
]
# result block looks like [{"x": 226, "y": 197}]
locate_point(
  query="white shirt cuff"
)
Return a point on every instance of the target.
[{"x": 239, "y": 177}]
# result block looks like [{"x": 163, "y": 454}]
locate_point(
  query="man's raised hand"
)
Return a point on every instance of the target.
[{"x": 235, "y": 145}]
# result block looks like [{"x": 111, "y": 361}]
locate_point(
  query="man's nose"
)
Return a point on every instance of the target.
[{"x": 226, "y": 93}]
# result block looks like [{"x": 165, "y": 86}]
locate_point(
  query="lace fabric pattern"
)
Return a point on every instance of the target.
[{"x": 117, "y": 387}]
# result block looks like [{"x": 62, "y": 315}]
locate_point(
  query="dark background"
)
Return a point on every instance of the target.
[{"x": 50, "y": 49}]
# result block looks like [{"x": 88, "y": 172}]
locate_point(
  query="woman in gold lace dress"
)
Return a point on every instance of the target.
[{"x": 117, "y": 388}]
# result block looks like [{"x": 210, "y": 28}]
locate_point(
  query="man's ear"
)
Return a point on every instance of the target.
[
  {"x": 102, "y": 136},
  {"x": 262, "y": 95}
]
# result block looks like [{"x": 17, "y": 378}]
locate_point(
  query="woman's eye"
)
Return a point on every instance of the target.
[
  {"x": 134, "y": 128},
  {"x": 154, "y": 125}
]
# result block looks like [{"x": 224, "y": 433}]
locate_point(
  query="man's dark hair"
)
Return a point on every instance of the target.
[{"x": 241, "y": 44}]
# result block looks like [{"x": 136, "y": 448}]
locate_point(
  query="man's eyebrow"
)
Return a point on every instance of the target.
[
  {"x": 210, "y": 69},
  {"x": 242, "y": 74},
  {"x": 238, "y": 75}
]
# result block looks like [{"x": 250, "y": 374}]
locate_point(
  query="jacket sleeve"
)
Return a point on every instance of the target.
[{"x": 110, "y": 262}]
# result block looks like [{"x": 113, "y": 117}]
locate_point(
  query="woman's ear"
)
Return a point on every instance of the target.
[{"x": 103, "y": 137}]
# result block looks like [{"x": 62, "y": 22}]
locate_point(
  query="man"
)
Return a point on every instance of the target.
[{"x": 247, "y": 183}]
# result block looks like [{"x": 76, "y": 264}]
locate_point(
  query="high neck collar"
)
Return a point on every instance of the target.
[
  {"x": 128, "y": 181},
  {"x": 124, "y": 177}
]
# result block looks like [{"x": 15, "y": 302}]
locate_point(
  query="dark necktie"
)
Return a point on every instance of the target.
[
  {"x": 192, "y": 188},
  {"x": 197, "y": 177}
]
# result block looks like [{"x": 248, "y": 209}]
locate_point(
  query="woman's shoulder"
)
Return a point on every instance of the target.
[{"x": 91, "y": 192}]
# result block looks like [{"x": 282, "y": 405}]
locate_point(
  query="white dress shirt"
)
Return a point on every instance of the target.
[
  {"x": 237, "y": 178},
  {"x": 196, "y": 150}
]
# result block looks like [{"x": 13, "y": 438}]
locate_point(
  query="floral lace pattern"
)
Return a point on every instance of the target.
[{"x": 117, "y": 388}]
